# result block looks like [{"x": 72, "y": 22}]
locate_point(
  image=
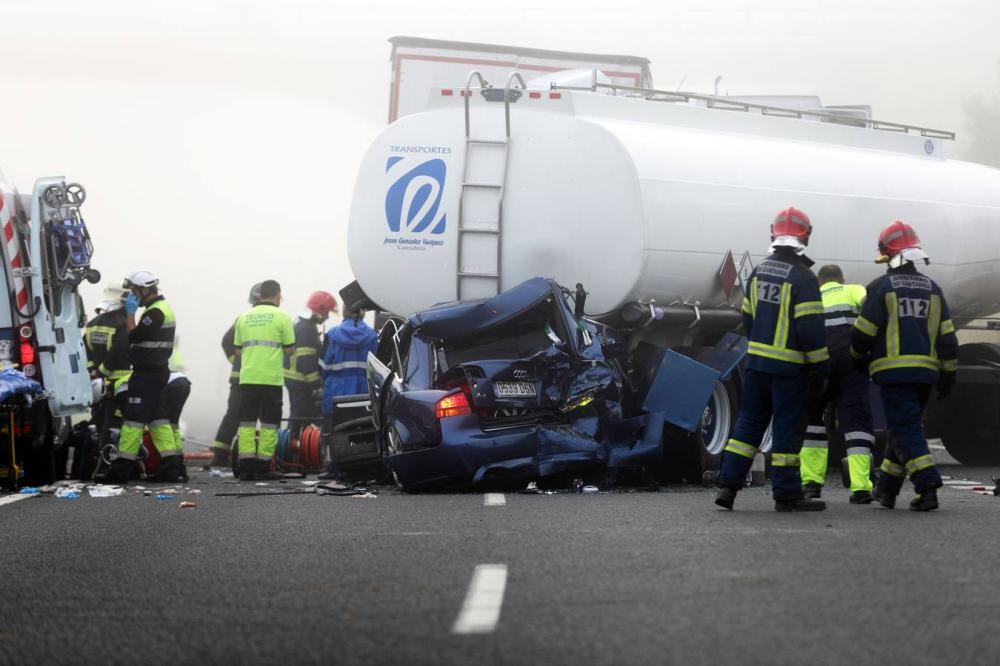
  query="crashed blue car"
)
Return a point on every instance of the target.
[{"x": 522, "y": 387}]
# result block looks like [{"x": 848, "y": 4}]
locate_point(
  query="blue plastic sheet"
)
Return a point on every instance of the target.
[{"x": 14, "y": 382}]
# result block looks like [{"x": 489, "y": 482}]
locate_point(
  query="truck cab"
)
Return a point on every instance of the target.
[{"x": 45, "y": 256}]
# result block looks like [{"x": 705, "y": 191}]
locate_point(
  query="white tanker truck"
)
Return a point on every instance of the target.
[{"x": 646, "y": 197}]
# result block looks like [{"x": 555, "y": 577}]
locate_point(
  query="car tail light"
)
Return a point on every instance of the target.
[
  {"x": 455, "y": 404},
  {"x": 27, "y": 349}
]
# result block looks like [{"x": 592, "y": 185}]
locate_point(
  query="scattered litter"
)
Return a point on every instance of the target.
[
  {"x": 139, "y": 487},
  {"x": 49, "y": 489},
  {"x": 294, "y": 475},
  {"x": 187, "y": 505},
  {"x": 260, "y": 484},
  {"x": 309, "y": 483},
  {"x": 29, "y": 490},
  {"x": 147, "y": 493},
  {"x": 335, "y": 488},
  {"x": 105, "y": 491},
  {"x": 365, "y": 495},
  {"x": 978, "y": 488},
  {"x": 590, "y": 490},
  {"x": 532, "y": 485},
  {"x": 169, "y": 491},
  {"x": 67, "y": 493},
  {"x": 194, "y": 491},
  {"x": 164, "y": 498},
  {"x": 217, "y": 473}
]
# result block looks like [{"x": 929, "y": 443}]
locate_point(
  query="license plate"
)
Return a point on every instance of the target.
[{"x": 514, "y": 389}]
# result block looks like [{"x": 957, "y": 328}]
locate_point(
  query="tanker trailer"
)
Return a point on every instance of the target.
[{"x": 646, "y": 197}]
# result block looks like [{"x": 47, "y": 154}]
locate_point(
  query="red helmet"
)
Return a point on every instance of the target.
[
  {"x": 322, "y": 303},
  {"x": 897, "y": 237},
  {"x": 793, "y": 223}
]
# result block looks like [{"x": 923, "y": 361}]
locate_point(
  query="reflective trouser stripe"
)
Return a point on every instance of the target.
[
  {"x": 220, "y": 445},
  {"x": 784, "y": 460},
  {"x": 919, "y": 463},
  {"x": 741, "y": 448},
  {"x": 813, "y": 461},
  {"x": 264, "y": 447},
  {"x": 859, "y": 464},
  {"x": 859, "y": 436},
  {"x": 892, "y": 469},
  {"x": 129, "y": 440}
]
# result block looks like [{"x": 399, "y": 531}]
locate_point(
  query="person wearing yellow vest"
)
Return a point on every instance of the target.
[
  {"x": 847, "y": 389},
  {"x": 151, "y": 343},
  {"x": 264, "y": 337}
]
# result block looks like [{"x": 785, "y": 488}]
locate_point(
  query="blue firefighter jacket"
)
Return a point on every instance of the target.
[
  {"x": 783, "y": 316},
  {"x": 344, "y": 360},
  {"x": 905, "y": 331}
]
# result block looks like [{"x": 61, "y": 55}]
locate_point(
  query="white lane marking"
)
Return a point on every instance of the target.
[
  {"x": 494, "y": 499},
  {"x": 481, "y": 609},
  {"x": 13, "y": 498}
]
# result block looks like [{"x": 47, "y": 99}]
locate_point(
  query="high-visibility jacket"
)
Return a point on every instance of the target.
[
  {"x": 783, "y": 316},
  {"x": 344, "y": 360},
  {"x": 302, "y": 367},
  {"x": 106, "y": 340},
  {"x": 905, "y": 330},
  {"x": 151, "y": 342},
  {"x": 262, "y": 334},
  {"x": 841, "y": 307}
]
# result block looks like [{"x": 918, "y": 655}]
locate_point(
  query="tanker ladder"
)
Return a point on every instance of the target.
[{"x": 480, "y": 231}]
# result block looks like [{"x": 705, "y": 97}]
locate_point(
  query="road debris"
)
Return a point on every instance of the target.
[
  {"x": 105, "y": 491},
  {"x": 164, "y": 498},
  {"x": 67, "y": 493},
  {"x": 187, "y": 505},
  {"x": 216, "y": 473},
  {"x": 30, "y": 490}
]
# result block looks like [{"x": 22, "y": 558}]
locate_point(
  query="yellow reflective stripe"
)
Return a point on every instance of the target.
[
  {"x": 808, "y": 308},
  {"x": 905, "y": 361},
  {"x": 892, "y": 469},
  {"x": 818, "y": 355},
  {"x": 741, "y": 448},
  {"x": 950, "y": 365},
  {"x": 113, "y": 374},
  {"x": 231, "y": 359},
  {"x": 934, "y": 322},
  {"x": 305, "y": 351},
  {"x": 892, "y": 333},
  {"x": 947, "y": 327},
  {"x": 753, "y": 296},
  {"x": 781, "y": 331},
  {"x": 747, "y": 305},
  {"x": 770, "y": 351},
  {"x": 919, "y": 463},
  {"x": 866, "y": 327},
  {"x": 301, "y": 377},
  {"x": 784, "y": 460}
]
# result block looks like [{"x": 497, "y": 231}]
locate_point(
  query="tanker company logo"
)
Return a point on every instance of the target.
[{"x": 414, "y": 211}]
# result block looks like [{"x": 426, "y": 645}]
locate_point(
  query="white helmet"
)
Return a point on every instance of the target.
[
  {"x": 140, "y": 279},
  {"x": 97, "y": 390},
  {"x": 108, "y": 306}
]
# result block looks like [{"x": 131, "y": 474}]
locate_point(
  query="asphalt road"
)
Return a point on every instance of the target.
[{"x": 646, "y": 577}]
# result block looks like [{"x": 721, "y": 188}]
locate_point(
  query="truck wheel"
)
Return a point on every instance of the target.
[
  {"x": 968, "y": 420},
  {"x": 719, "y": 420}
]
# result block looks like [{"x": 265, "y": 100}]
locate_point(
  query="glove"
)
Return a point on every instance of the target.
[
  {"x": 131, "y": 304},
  {"x": 860, "y": 364},
  {"x": 945, "y": 381}
]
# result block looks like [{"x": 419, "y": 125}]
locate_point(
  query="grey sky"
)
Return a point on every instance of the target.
[{"x": 218, "y": 139}]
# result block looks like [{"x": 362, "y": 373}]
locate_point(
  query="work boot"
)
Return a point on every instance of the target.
[
  {"x": 726, "y": 497},
  {"x": 265, "y": 472},
  {"x": 885, "y": 499},
  {"x": 801, "y": 504},
  {"x": 220, "y": 458},
  {"x": 171, "y": 471},
  {"x": 925, "y": 501},
  {"x": 118, "y": 473},
  {"x": 861, "y": 497},
  {"x": 247, "y": 470},
  {"x": 812, "y": 490}
]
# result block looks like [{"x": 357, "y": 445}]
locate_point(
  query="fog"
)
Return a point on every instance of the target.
[{"x": 218, "y": 139}]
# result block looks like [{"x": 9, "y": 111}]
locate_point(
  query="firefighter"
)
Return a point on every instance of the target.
[
  {"x": 264, "y": 336},
  {"x": 151, "y": 343},
  {"x": 224, "y": 436},
  {"x": 104, "y": 359},
  {"x": 302, "y": 369},
  {"x": 905, "y": 339},
  {"x": 846, "y": 389},
  {"x": 783, "y": 319},
  {"x": 343, "y": 366}
]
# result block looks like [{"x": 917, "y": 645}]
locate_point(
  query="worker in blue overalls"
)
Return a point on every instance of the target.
[
  {"x": 783, "y": 319},
  {"x": 906, "y": 340}
]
